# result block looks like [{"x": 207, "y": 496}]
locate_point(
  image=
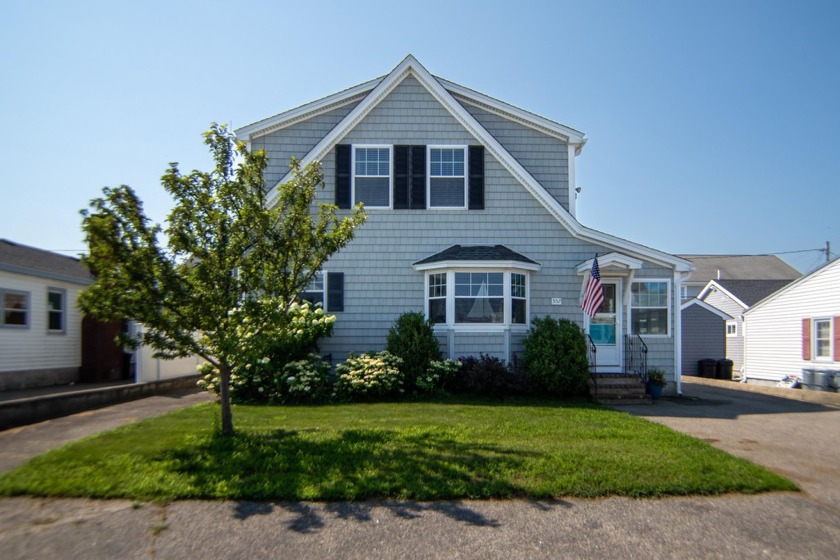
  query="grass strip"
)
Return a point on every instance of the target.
[{"x": 419, "y": 450}]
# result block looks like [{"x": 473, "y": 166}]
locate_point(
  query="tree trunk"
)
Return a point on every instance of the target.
[{"x": 224, "y": 395}]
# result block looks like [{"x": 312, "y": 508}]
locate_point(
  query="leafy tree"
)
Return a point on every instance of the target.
[{"x": 231, "y": 256}]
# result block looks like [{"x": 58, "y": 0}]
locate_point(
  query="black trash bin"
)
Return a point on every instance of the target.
[
  {"x": 707, "y": 368},
  {"x": 724, "y": 369}
]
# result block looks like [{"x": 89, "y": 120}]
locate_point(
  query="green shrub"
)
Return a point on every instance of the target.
[
  {"x": 306, "y": 380},
  {"x": 555, "y": 355},
  {"x": 490, "y": 376},
  {"x": 267, "y": 346},
  {"x": 438, "y": 375},
  {"x": 369, "y": 376},
  {"x": 412, "y": 339}
]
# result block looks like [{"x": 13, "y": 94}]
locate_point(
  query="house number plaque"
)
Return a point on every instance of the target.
[{"x": 556, "y": 301}]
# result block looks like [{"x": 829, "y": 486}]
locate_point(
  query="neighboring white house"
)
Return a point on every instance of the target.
[
  {"x": 796, "y": 328},
  {"x": 40, "y": 326}
]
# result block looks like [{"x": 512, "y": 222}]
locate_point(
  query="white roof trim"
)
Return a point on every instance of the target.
[
  {"x": 410, "y": 66},
  {"x": 516, "y": 114},
  {"x": 707, "y": 307},
  {"x": 271, "y": 124},
  {"x": 730, "y": 295},
  {"x": 495, "y": 265},
  {"x": 611, "y": 260}
]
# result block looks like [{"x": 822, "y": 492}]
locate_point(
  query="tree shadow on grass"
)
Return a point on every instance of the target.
[{"x": 362, "y": 464}]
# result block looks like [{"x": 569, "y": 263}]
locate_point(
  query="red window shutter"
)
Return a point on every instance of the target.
[
  {"x": 837, "y": 339},
  {"x": 806, "y": 339}
]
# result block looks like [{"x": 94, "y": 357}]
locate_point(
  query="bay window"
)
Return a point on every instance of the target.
[{"x": 472, "y": 297}]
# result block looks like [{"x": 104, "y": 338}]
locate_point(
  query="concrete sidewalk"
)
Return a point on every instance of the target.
[{"x": 762, "y": 427}]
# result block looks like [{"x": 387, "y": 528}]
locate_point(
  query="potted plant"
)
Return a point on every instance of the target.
[{"x": 655, "y": 383}]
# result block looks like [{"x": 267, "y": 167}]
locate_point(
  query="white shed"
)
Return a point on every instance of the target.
[{"x": 796, "y": 328}]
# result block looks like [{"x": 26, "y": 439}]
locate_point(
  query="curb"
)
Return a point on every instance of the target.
[
  {"x": 29, "y": 410},
  {"x": 804, "y": 395}
]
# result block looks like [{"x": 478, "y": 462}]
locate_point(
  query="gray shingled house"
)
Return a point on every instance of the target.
[
  {"x": 733, "y": 267},
  {"x": 471, "y": 220}
]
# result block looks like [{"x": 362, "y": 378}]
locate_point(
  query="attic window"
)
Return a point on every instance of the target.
[
  {"x": 447, "y": 177},
  {"x": 372, "y": 176}
]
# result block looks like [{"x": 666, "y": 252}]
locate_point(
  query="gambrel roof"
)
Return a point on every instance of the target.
[{"x": 452, "y": 97}]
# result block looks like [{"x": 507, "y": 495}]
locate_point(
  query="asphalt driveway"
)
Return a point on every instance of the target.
[{"x": 799, "y": 439}]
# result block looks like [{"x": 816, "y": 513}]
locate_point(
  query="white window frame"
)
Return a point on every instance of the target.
[
  {"x": 3, "y": 309},
  {"x": 430, "y": 297},
  {"x": 429, "y": 177},
  {"x": 63, "y": 311},
  {"x": 733, "y": 329},
  {"x": 390, "y": 149},
  {"x": 312, "y": 289},
  {"x": 815, "y": 342},
  {"x": 506, "y": 324},
  {"x": 668, "y": 306}
]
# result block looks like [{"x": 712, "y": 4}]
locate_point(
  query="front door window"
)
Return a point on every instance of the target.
[{"x": 602, "y": 327}]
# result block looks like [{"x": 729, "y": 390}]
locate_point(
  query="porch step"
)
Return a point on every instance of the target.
[{"x": 618, "y": 388}]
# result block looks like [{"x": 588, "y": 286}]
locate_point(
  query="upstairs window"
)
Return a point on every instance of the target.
[
  {"x": 15, "y": 311},
  {"x": 447, "y": 177},
  {"x": 55, "y": 310},
  {"x": 372, "y": 176}
]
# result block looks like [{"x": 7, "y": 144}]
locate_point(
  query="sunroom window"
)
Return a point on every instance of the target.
[
  {"x": 464, "y": 298},
  {"x": 372, "y": 176},
  {"x": 447, "y": 177},
  {"x": 479, "y": 297}
]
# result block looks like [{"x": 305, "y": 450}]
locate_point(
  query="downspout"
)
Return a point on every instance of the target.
[{"x": 678, "y": 278}]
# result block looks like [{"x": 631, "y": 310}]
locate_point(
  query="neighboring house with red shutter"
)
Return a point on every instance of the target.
[
  {"x": 471, "y": 206},
  {"x": 796, "y": 328}
]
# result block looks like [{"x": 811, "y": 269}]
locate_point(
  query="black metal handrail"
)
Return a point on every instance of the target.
[
  {"x": 637, "y": 352},
  {"x": 593, "y": 362}
]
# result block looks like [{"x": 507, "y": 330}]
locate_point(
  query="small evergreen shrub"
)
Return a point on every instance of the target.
[
  {"x": 412, "y": 339},
  {"x": 555, "y": 355},
  {"x": 369, "y": 377}
]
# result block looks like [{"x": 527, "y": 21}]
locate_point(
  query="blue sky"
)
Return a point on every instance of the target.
[{"x": 714, "y": 127}]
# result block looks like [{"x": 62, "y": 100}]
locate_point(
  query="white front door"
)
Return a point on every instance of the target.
[{"x": 605, "y": 328}]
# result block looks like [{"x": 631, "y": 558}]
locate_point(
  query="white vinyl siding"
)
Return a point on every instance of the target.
[
  {"x": 35, "y": 347},
  {"x": 773, "y": 333}
]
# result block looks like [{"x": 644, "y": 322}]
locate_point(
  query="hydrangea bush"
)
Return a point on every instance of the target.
[
  {"x": 369, "y": 376},
  {"x": 437, "y": 375},
  {"x": 267, "y": 347}
]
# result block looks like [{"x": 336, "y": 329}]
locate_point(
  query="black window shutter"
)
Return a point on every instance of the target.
[
  {"x": 401, "y": 178},
  {"x": 418, "y": 177},
  {"x": 335, "y": 291},
  {"x": 342, "y": 175},
  {"x": 476, "y": 163}
]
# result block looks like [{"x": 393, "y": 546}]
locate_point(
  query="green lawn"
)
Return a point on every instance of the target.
[{"x": 423, "y": 451}]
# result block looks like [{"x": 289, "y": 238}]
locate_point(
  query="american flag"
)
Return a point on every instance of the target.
[{"x": 593, "y": 297}]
